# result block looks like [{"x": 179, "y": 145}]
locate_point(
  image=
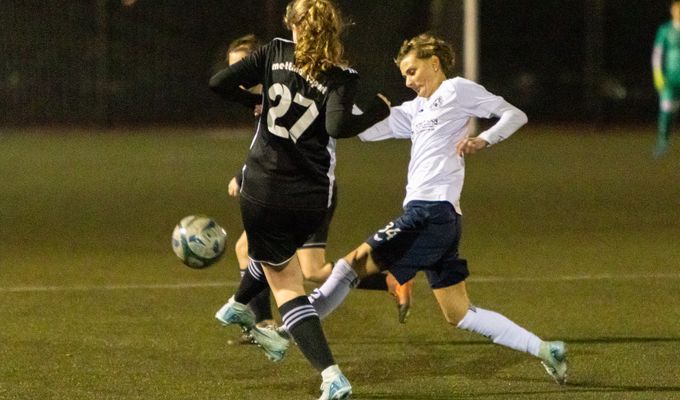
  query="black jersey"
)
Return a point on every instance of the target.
[{"x": 292, "y": 158}]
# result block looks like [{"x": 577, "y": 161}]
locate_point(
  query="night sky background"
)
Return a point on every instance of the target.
[{"x": 107, "y": 63}]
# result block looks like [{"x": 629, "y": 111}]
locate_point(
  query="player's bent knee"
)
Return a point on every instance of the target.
[
  {"x": 454, "y": 317},
  {"x": 241, "y": 247},
  {"x": 360, "y": 259}
]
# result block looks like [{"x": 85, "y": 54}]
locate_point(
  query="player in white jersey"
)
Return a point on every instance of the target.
[{"x": 426, "y": 236}]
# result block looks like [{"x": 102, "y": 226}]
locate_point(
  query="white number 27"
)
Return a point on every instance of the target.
[{"x": 278, "y": 90}]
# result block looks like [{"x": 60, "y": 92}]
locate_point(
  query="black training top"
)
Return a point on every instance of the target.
[{"x": 291, "y": 161}]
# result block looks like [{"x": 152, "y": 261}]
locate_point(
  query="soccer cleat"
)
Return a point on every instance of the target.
[
  {"x": 269, "y": 340},
  {"x": 554, "y": 355},
  {"x": 337, "y": 389},
  {"x": 403, "y": 294},
  {"x": 247, "y": 337},
  {"x": 235, "y": 313}
]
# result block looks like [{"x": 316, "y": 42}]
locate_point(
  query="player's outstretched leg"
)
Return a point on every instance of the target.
[
  {"x": 458, "y": 311},
  {"x": 326, "y": 298},
  {"x": 505, "y": 332}
]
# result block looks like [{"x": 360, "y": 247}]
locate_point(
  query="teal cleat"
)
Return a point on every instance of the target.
[
  {"x": 337, "y": 389},
  {"x": 235, "y": 313},
  {"x": 269, "y": 340},
  {"x": 554, "y": 355}
]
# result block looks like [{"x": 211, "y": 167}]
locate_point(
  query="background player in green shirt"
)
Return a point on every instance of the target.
[{"x": 666, "y": 70}]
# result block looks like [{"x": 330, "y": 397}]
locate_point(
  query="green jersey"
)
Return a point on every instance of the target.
[{"x": 666, "y": 56}]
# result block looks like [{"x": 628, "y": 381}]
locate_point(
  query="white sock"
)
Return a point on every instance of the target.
[
  {"x": 332, "y": 293},
  {"x": 330, "y": 373},
  {"x": 500, "y": 330}
]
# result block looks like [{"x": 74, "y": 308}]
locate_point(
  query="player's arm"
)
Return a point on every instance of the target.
[
  {"x": 235, "y": 184},
  {"x": 341, "y": 122},
  {"x": 481, "y": 103},
  {"x": 396, "y": 126},
  {"x": 510, "y": 119},
  {"x": 657, "y": 59},
  {"x": 230, "y": 82}
]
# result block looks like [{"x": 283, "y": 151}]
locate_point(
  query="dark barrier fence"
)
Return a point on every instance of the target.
[{"x": 117, "y": 62}]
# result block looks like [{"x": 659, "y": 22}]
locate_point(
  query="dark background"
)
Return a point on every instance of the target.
[{"x": 101, "y": 62}]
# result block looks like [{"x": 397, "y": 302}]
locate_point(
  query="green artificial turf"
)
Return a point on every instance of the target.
[{"x": 572, "y": 232}]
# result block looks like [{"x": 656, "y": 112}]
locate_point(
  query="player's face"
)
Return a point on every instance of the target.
[
  {"x": 236, "y": 56},
  {"x": 423, "y": 75},
  {"x": 675, "y": 11}
]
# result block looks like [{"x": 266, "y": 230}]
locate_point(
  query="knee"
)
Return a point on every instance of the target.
[
  {"x": 453, "y": 317},
  {"x": 241, "y": 248},
  {"x": 360, "y": 259},
  {"x": 318, "y": 275},
  {"x": 456, "y": 311}
]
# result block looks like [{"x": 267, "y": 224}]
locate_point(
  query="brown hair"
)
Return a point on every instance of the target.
[
  {"x": 319, "y": 24},
  {"x": 427, "y": 45},
  {"x": 248, "y": 42}
]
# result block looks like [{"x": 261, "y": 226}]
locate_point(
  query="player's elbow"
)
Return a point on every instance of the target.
[
  {"x": 522, "y": 118},
  {"x": 214, "y": 83},
  {"x": 338, "y": 128}
]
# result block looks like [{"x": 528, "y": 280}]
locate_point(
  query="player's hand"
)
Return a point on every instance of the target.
[
  {"x": 234, "y": 187},
  {"x": 257, "y": 111},
  {"x": 470, "y": 145}
]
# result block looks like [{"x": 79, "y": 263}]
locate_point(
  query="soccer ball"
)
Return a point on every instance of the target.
[{"x": 198, "y": 241}]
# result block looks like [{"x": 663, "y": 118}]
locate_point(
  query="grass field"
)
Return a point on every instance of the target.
[{"x": 573, "y": 233}]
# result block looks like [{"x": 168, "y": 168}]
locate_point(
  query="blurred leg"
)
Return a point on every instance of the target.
[{"x": 313, "y": 264}]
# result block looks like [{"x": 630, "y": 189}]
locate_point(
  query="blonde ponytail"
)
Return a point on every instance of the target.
[{"x": 319, "y": 24}]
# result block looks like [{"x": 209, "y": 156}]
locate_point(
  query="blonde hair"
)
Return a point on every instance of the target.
[
  {"x": 248, "y": 43},
  {"x": 319, "y": 24},
  {"x": 427, "y": 45}
]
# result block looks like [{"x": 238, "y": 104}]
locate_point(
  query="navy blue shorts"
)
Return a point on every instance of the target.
[{"x": 424, "y": 238}]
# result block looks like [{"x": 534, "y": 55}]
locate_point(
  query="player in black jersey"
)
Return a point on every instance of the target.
[
  {"x": 289, "y": 172},
  {"x": 312, "y": 254}
]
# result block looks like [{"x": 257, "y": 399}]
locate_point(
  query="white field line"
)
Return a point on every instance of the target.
[{"x": 482, "y": 279}]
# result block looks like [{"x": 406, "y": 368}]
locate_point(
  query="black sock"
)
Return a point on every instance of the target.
[
  {"x": 261, "y": 306},
  {"x": 374, "y": 282},
  {"x": 302, "y": 322},
  {"x": 252, "y": 283}
]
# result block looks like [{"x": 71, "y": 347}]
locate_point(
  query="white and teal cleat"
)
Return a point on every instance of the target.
[
  {"x": 337, "y": 389},
  {"x": 269, "y": 340},
  {"x": 235, "y": 313},
  {"x": 554, "y": 356}
]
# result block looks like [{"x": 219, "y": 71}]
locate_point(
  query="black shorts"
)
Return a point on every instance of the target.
[
  {"x": 274, "y": 234},
  {"x": 424, "y": 238},
  {"x": 320, "y": 237}
]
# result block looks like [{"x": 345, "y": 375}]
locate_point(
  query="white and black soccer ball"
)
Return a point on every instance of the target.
[{"x": 198, "y": 241}]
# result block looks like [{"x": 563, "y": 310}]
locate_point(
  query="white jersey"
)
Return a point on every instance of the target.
[{"x": 435, "y": 125}]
